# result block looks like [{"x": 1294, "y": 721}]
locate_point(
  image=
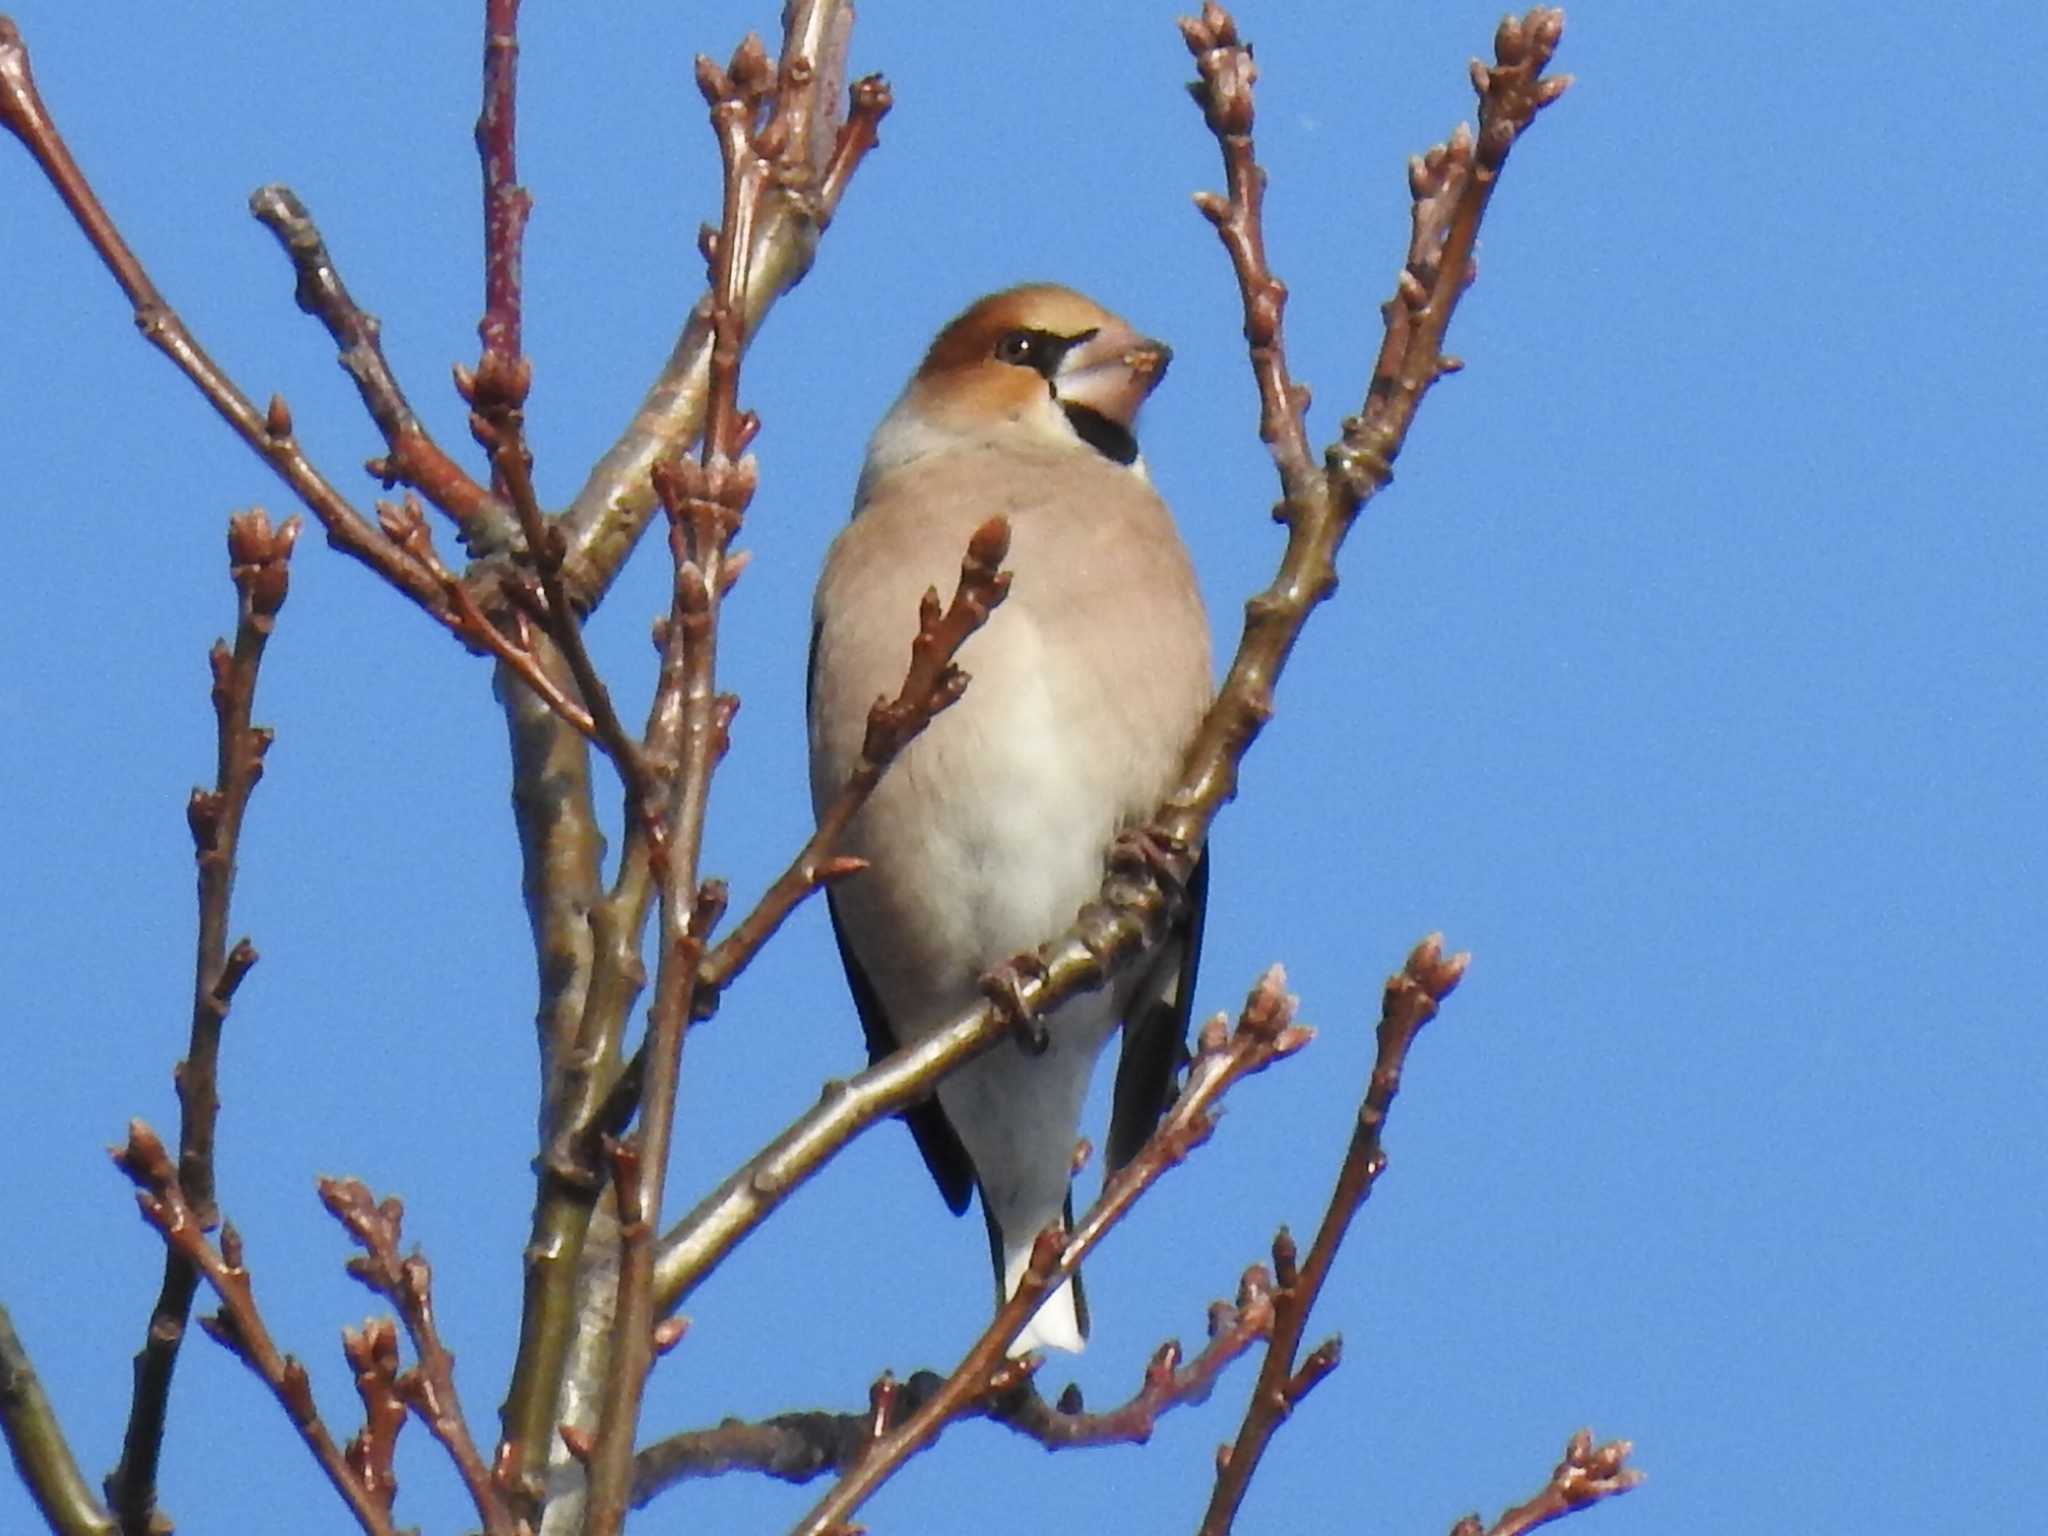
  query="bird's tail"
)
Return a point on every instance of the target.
[{"x": 1061, "y": 1321}]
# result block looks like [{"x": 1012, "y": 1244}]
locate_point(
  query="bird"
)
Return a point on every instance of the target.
[{"x": 989, "y": 832}]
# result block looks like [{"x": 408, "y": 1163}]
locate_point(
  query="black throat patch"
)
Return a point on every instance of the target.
[{"x": 1102, "y": 434}]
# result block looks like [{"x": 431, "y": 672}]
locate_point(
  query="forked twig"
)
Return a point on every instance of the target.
[
  {"x": 1265, "y": 1033},
  {"x": 1410, "y": 1001}
]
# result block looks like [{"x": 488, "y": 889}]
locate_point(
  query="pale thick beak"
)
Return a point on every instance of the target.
[{"x": 1112, "y": 372}]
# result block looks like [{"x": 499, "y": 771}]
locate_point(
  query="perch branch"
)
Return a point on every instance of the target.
[
  {"x": 1265, "y": 1033},
  {"x": 259, "y": 562},
  {"x": 1409, "y": 1002}
]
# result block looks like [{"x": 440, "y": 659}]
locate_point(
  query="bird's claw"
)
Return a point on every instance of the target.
[
  {"x": 1004, "y": 986},
  {"x": 1148, "y": 852}
]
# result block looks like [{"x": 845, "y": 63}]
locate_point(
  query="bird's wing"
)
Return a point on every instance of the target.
[
  {"x": 1156, "y": 1029},
  {"x": 935, "y": 1136}
]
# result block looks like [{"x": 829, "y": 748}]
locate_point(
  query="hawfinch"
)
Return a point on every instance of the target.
[{"x": 988, "y": 834}]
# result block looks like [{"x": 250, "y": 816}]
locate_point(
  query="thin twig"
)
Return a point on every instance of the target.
[
  {"x": 706, "y": 500},
  {"x": 267, "y": 433},
  {"x": 42, "y": 1456},
  {"x": 429, "y": 1387},
  {"x": 506, "y": 202},
  {"x": 412, "y": 456},
  {"x": 1410, "y": 1001},
  {"x": 931, "y": 684},
  {"x": 372, "y": 1353},
  {"x": 239, "y": 1327},
  {"x": 1265, "y": 1033},
  {"x": 259, "y": 562},
  {"x": 608, "y": 515},
  {"x": 1588, "y": 1474}
]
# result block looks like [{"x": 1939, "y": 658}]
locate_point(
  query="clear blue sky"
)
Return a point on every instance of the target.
[{"x": 1690, "y": 675}]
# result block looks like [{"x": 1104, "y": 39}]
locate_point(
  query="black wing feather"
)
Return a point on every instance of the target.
[{"x": 1156, "y": 1031}]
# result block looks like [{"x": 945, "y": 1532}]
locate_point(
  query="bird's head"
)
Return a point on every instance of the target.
[{"x": 1037, "y": 365}]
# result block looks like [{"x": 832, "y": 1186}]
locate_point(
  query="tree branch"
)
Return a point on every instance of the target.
[
  {"x": 1265, "y": 1033},
  {"x": 238, "y": 1327},
  {"x": 611, "y": 511},
  {"x": 267, "y": 433},
  {"x": 259, "y": 562},
  {"x": 1588, "y": 1474},
  {"x": 412, "y": 456},
  {"x": 429, "y": 1387},
  {"x": 1409, "y": 1002},
  {"x": 602, "y": 526},
  {"x": 42, "y": 1456}
]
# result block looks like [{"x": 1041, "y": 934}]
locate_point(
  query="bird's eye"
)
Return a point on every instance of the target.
[{"x": 1024, "y": 348}]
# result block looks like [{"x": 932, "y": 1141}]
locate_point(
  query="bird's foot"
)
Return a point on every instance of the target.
[
  {"x": 1147, "y": 852},
  {"x": 1003, "y": 985}
]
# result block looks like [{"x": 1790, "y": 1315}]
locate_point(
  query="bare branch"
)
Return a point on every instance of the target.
[
  {"x": 239, "y": 1327},
  {"x": 259, "y": 561},
  {"x": 506, "y": 203},
  {"x": 429, "y": 1387},
  {"x": 267, "y": 433},
  {"x": 412, "y": 456},
  {"x": 1410, "y": 1001},
  {"x": 1265, "y": 1033},
  {"x": 613, "y": 508},
  {"x": 42, "y": 1456},
  {"x": 1588, "y": 1474}
]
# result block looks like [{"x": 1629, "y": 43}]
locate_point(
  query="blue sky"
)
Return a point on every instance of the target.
[{"x": 1690, "y": 675}]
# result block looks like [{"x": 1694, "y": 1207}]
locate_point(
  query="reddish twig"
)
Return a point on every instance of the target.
[
  {"x": 238, "y": 1327},
  {"x": 1410, "y": 1001},
  {"x": 932, "y": 683},
  {"x": 545, "y": 548},
  {"x": 1223, "y": 90},
  {"x": 412, "y": 456},
  {"x": 755, "y": 106},
  {"x": 506, "y": 203},
  {"x": 42, "y": 1456},
  {"x": 816, "y": 157},
  {"x": 259, "y": 561},
  {"x": 372, "y": 1353},
  {"x": 800, "y": 1446},
  {"x": 267, "y": 433},
  {"x": 1265, "y": 1033},
  {"x": 1588, "y": 1474},
  {"x": 428, "y": 1388},
  {"x": 1233, "y": 1329}
]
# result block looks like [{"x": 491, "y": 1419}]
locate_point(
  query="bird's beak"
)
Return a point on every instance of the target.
[{"x": 1112, "y": 372}]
